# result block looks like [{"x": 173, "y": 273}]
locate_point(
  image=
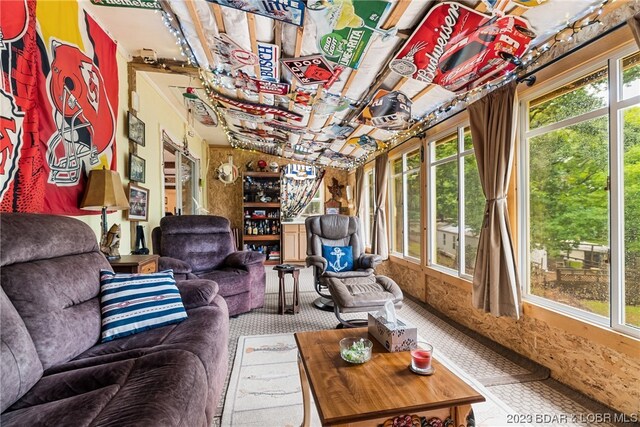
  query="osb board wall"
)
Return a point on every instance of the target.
[
  {"x": 596, "y": 370},
  {"x": 411, "y": 281},
  {"x": 226, "y": 200}
]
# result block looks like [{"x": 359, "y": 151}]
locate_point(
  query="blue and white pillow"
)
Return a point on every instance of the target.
[
  {"x": 339, "y": 258},
  {"x": 132, "y": 303}
]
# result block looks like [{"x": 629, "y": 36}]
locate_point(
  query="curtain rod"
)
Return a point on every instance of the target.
[{"x": 529, "y": 74}]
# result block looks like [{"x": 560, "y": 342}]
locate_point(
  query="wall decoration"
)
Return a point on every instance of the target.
[
  {"x": 309, "y": 70},
  {"x": 459, "y": 48},
  {"x": 268, "y": 57},
  {"x": 136, "y": 168},
  {"x": 200, "y": 110},
  {"x": 388, "y": 110},
  {"x": 138, "y": 203},
  {"x": 296, "y": 130},
  {"x": 291, "y": 11},
  {"x": 134, "y": 4},
  {"x": 44, "y": 166},
  {"x": 241, "y": 115},
  {"x": 244, "y": 81},
  {"x": 259, "y": 108},
  {"x": 329, "y": 104},
  {"x": 365, "y": 142},
  {"x": 229, "y": 52},
  {"x": 345, "y": 28},
  {"x": 136, "y": 130}
]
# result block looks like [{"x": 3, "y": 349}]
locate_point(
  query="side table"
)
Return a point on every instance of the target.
[
  {"x": 282, "y": 301},
  {"x": 135, "y": 264}
]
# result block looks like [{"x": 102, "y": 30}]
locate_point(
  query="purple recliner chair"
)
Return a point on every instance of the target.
[{"x": 201, "y": 246}]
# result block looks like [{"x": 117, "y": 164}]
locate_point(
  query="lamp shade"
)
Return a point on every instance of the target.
[{"x": 104, "y": 190}]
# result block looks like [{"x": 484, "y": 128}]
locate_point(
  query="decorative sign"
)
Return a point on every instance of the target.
[
  {"x": 337, "y": 131},
  {"x": 137, "y": 4},
  {"x": 459, "y": 48},
  {"x": 286, "y": 127},
  {"x": 241, "y": 115},
  {"x": 291, "y": 11},
  {"x": 330, "y": 103},
  {"x": 200, "y": 109},
  {"x": 268, "y": 57},
  {"x": 244, "y": 81},
  {"x": 365, "y": 142},
  {"x": 337, "y": 70},
  {"x": 310, "y": 70},
  {"x": 345, "y": 28},
  {"x": 388, "y": 110},
  {"x": 231, "y": 53},
  {"x": 257, "y": 108}
]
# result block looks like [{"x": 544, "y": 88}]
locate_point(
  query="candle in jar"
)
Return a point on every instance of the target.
[{"x": 421, "y": 358}]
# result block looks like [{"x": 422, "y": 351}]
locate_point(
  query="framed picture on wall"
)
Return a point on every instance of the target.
[
  {"x": 136, "y": 168},
  {"x": 136, "y": 129},
  {"x": 138, "y": 203}
]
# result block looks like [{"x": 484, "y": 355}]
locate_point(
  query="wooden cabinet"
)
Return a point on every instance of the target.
[
  {"x": 135, "y": 264},
  {"x": 294, "y": 243},
  {"x": 261, "y": 207}
]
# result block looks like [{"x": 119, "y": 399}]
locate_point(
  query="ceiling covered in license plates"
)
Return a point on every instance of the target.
[{"x": 331, "y": 82}]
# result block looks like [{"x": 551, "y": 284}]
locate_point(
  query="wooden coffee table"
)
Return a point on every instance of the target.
[{"x": 378, "y": 391}]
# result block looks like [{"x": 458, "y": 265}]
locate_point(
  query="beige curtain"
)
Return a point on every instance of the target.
[
  {"x": 496, "y": 289},
  {"x": 379, "y": 242},
  {"x": 359, "y": 197},
  {"x": 634, "y": 24}
]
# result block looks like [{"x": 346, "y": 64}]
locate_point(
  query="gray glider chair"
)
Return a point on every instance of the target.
[{"x": 353, "y": 286}]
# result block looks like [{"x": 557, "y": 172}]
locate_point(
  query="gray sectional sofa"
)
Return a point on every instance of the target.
[{"x": 55, "y": 371}]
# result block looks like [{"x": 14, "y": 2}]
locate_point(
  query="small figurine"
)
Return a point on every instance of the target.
[
  {"x": 262, "y": 165},
  {"x": 110, "y": 246},
  {"x": 249, "y": 166}
]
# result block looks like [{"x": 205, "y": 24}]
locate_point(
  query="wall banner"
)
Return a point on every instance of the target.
[
  {"x": 388, "y": 110},
  {"x": 60, "y": 84},
  {"x": 291, "y": 11}
]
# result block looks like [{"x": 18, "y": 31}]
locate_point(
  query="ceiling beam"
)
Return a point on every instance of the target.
[
  {"x": 217, "y": 14},
  {"x": 199, "y": 30},
  {"x": 167, "y": 66},
  {"x": 251, "y": 23}
]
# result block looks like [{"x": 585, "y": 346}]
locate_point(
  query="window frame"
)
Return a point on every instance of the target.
[
  {"x": 320, "y": 198},
  {"x": 410, "y": 150},
  {"x": 458, "y": 130},
  {"x": 614, "y": 113}
]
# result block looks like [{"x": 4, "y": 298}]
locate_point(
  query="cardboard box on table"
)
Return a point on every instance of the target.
[{"x": 398, "y": 336}]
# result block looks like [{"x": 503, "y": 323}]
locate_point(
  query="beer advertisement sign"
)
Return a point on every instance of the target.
[
  {"x": 309, "y": 70},
  {"x": 290, "y": 11},
  {"x": 268, "y": 57}
]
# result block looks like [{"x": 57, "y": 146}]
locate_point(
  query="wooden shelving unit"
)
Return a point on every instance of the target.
[{"x": 261, "y": 211}]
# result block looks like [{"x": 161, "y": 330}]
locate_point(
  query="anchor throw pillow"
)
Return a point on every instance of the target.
[{"x": 339, "y": 258}]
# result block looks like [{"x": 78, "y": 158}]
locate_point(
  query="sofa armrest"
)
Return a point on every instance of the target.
[
  {"x": 369, "y": 260},
  {"x": 178, "y": 266},
  {"x": 317, "y": 261},
  {"x": 243, "y": 259},
  {"x": 197, "y": 292}
]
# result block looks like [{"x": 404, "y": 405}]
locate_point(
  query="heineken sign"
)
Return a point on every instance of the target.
[{"x": 137, "y": 4}]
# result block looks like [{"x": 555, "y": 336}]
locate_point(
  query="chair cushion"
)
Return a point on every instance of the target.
[
  {"x": 363, "y": 293},
  {"x": 232, "y": 281},
  {"x": 132, "y": 303},
  {"x": 339, "y": 258}
]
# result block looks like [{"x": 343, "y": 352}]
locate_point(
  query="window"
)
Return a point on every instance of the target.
[
  {"x": 405, "y": 205},
  {"x": 369, "y": 205},
  {"x": 581, "y": 169},
  {"x": 316, "y": 205},
  {"x": 456, "y": 203}
]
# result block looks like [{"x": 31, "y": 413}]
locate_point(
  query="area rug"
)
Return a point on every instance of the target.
[{"x": 264, "y": 388}]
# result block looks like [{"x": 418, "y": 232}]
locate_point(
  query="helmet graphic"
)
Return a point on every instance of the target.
[{"x": 83, "y": 115}]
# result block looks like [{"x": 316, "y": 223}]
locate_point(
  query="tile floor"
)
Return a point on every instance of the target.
[{"x": 520, "y": 383}]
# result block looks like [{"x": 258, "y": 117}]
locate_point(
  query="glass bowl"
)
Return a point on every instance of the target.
[{"x": 355, "y": 349}]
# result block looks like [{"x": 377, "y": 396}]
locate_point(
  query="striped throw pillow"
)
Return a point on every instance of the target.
[{"x": 132, "y": 303}]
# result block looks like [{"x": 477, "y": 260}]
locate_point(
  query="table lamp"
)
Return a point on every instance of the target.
[{"x": 104, "y": 191}]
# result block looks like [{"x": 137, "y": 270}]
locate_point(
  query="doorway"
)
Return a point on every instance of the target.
[{"x": 180, "y": 172}]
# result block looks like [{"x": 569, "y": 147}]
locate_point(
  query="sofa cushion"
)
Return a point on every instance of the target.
[
  {"x": 133, "y": 303},
  {"x": 197, "y": 292},
  {"x": 232, "y": 281},
  {"x": 57, "y": 300},
  {"x": 20, "y": 367},
  {"x": 167, "y": 388}
]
